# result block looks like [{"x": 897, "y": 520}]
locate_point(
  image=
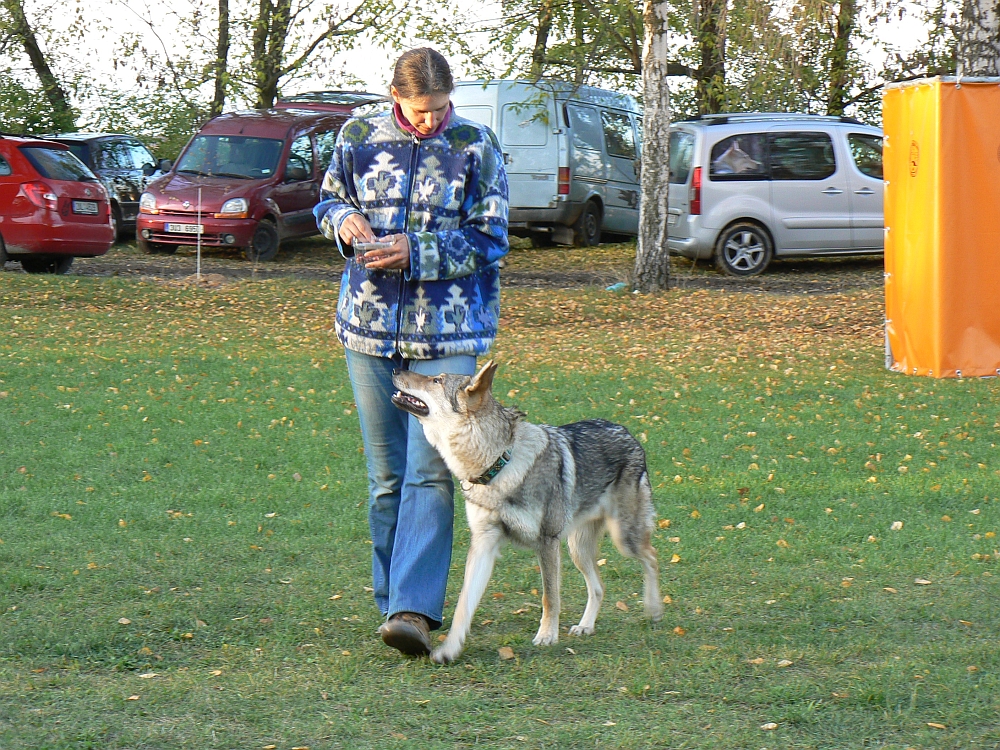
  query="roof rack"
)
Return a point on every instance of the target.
[
  {"x": 723, "y": 118},
  {"x": 323, "y": 99}
]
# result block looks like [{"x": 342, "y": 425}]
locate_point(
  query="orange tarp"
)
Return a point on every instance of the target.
[{"x": 942, "y": 217}]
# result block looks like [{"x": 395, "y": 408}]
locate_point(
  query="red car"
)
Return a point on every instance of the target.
[
  {"x": 248, "y": 179},
  {"x": 52, "y": 208}
]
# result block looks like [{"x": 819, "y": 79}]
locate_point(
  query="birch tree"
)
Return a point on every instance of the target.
[
  {"x": 979, "y": 39},
  {"x": 652, "y": 259}
]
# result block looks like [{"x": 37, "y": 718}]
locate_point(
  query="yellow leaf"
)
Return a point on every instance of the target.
[
  {"x": 603, "y": 561},
  {"x": 132, "y": 698},
  {"x": 935, "y": 725},
  {"x": 675, "y": 558},
  {"x": 64, "y": 516},
  {"x": 922, "y": 582},
  {"x": 769, "y": 726},
  {"x": 896, "y": 525},
  {"x": 124, "y": 621},
  {"x": 679, "y": 630},
  {"x": 758, "y": 660},
  {"x": 506, "y": 653},
  {"x": 783, "y": 544},
  {"x": 664, "y": 523},
  {"x": 890, "y": 589},
  {"x": 785, "y": 663},
  {"x": 695, "y": 514},
  {"x": 759, "y": 508},
  {"x": 622, "y": 606},
  {"x": 668, "y": 599},
  {"x": 216, "y": 673},
  {"x": 122, "y": 522}
]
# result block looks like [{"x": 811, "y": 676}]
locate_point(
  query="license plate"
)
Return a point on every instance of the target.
[
  {"x": 85, "y": 207},
  {"x": 186, "y": 228}
]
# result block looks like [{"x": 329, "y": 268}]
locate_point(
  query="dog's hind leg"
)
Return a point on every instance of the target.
[
  {"x": 583, "y": 549},
  {"x": 483, "y": 552},
  {"x": 549, "y": 562},
  {"x": 632, "y": 533}
]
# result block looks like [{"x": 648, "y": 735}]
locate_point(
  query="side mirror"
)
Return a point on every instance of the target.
[
  {"x": 165, "y": 165},
  {"x": 148, "y": 169}
]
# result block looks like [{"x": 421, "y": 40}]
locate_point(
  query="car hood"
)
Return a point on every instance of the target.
[{"x": 173, "y": 190}]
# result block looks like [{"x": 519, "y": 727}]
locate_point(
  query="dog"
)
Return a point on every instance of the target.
[{"x": 533, "y": 485}]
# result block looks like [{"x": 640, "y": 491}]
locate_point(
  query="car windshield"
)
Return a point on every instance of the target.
[
  {"x": 57, "y": 164},
  {"x": 237, "y": 156}
]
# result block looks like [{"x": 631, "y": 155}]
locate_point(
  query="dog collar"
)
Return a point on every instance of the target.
[{"x": 493, "y": 470}]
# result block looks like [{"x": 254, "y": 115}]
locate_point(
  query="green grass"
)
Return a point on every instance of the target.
[{"x": 189, "y": 460}]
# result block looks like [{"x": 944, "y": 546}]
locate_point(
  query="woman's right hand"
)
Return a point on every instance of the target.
[{"x": 356, "y": 227}]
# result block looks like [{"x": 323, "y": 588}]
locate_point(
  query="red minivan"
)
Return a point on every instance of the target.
[
  {"x": 248, "y": 179},
  {"x": 52, "y": 207}
]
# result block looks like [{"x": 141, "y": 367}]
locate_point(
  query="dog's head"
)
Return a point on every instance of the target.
[{"x": 442, "y": 396}]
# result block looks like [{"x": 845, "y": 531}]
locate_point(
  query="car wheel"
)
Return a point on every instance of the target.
[
  {"x": 3, "y": 254},
  {"x": 116, "y": 221},
  {"x": 152, "y": 248},
  {"x": 265, "y": 242},
  {"x": 59, "y": 264},
  {"x": 744, "y": 249},
  {"x": 587, "y": 229}
]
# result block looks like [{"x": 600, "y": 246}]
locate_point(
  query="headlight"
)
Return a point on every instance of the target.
[
  {"x": 234, "y": 208},
  {"x": 147, "y": 204}
]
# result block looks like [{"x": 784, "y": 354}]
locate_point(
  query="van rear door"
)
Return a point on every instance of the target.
[
  {"x": 681, "y": 150},
  {"x": 530, "y": 151},
  {"x": 621, "y": 214}
]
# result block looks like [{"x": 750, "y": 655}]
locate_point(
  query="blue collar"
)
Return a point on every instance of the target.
[{"x": 491, "y": 472}]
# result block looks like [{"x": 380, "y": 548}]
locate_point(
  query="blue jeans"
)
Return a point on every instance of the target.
[{"x": 411, "y": 509}]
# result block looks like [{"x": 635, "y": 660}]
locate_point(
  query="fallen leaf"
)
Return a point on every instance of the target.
[
  {"x": 124, "y": 621},
  {"x": 783, "y": 544},
  {"x": 64, "y": 516},
  {"x": 695, "y": 514},
  {"x": 571, "y": 651},
  {"x": 975, "y": 512},
  {"x": 896, "y": 525},
  {"x": 216, "y": 673},
  {"x": 759, "y": 508},
  {"x": 922, "y": 582},
  {"x": 758, "y": 660},
  {"x": 966, "y": 623},
  {"x": 622, "y": 606},
  {"x": 667, "y": 599},
  {"x": 972, "y": 669},
  {"x": 664, "y": 523},
  {"x": 602, "y": 561},
  {"x": 148, "y": 675},
  {"x": 769, "y": 726},
  {"x": 335, "y": 597},
  {"x": 132, "y": 698},
  {"x": 679, "y": 631},
  {"x": 675, "y": 558},
  {"x": 935, "y": 725},
  {"x": 890, "y": 589},
  {"x": 506, "y": 653},
  {"x": 122, "y": 523},
  {"x": 611, "y": 723},
  {"x": 946, "y": 518},
  {"x": 708, "y": 647},
  {"x": 297, "y": 477},
  {"x": 785, "y": 663}
]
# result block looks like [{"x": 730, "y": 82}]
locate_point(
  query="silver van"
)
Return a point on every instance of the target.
[
  {"x": 572, "y": 156},
  {"x": 745, "y": 188}
]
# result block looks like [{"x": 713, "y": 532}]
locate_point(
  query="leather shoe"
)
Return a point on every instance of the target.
[{"x": 407, "y": 632}]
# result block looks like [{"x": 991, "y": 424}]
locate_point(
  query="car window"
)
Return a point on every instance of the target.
[
  {"x": 586, "y": 126},
  {"x": 866, "y": 150},
  {"x": 524, "y": 125},
  {"x": 5, "y": 169},
  {"x": 739, "y": 157},
  {"x": 231, "y": 156},
  {"x": 301, "y": 154},
  {"x": 57, "y": 164},
  {"x": 619, "y": 138},
  {"x": 802, "y": 156},
  {"x": 113, "y": 155},
  {"x": 681, "y": 149},
  {"x": 325, "y": 143},
  {"x": 482, "y": 115},
  {"x": 140, "y": 156},
  {"x": 80, "y": 151}
]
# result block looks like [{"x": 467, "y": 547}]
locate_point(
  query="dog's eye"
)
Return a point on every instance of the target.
[{"x": 438, "y": 381}]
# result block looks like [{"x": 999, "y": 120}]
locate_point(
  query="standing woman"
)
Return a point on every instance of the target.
[{"x": 432, "y": 184}]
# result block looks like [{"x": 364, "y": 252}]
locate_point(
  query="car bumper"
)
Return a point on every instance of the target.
[
  {"x": 689, "y": 239},
  {"x": 563, "y": 214},
  {"x": 215, "y": 232},
  {"x": 78, "y": 240}
]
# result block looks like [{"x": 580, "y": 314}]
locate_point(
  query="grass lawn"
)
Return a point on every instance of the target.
[{"x": 184, "y": 554}]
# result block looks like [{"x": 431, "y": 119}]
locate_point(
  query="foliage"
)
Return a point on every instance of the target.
[
  {"x": 25, "y": 110},
  {"x": 183, "y": 532}
]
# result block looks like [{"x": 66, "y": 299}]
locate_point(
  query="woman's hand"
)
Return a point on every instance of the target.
[
  {"x": 356, "y": 227},
  {"x": 397, "y": 256}
]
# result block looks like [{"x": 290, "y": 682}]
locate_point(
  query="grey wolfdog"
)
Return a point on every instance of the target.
[{"x": 534, "y": 484}]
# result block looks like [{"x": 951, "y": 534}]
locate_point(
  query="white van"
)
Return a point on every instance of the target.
[{"x": 572, "y": 156}]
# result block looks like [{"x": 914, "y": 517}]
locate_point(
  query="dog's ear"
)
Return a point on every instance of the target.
[{"x": 480, "y": 385}]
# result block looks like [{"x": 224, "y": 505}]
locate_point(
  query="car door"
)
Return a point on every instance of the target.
[
  {"x": 298, "y": 193},
  {"x": 113, "y": 164},
  {"x": 135, "y": 180},
  {"x": 588, "y": 171},
  {"x": 530, "y": 152},
  {"x": 810, "y": 192},
  {"x": 621, "y": 212},
  {"x": 867, "y": 220}
]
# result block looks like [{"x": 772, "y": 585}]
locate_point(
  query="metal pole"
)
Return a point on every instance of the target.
[{"x": 198, "y": 243}]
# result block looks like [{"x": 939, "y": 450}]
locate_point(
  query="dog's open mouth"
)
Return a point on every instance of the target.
[{"x": 409, "y": 403}]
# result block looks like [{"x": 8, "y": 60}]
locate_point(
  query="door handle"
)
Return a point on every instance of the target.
[
  {"x": 864, "y": 191},
  {"x": 832, "y": 191}
]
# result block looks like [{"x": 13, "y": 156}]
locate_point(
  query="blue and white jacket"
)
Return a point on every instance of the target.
[{"x": 448, "y": 193}]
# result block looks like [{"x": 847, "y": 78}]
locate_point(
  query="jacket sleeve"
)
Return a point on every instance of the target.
[
  {"x": 481, "y": 238},
  {"x": 337, "y": 198}
]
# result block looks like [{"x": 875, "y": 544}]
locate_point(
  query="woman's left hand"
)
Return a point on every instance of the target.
[{"x": 395, "y": 257}]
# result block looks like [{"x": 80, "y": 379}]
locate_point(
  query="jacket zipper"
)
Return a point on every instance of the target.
[{"x": 406, "y": 224}]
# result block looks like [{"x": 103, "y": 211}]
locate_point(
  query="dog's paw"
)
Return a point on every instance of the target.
[
  {"x": 581, "y": 630},
  {"x": 445, "y": 654},
  {"x": 545, "y": 638},
  {"x": 654, "y": 611}
]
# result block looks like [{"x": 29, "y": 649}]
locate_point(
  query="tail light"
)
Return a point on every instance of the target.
[
  {"x": 695, "y": 205},
  {"x": 40, "y": 195},
  {"x": 563, "y": 181}
]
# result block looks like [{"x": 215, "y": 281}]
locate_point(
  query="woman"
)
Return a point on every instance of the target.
[{"x": 433, "y": 185}]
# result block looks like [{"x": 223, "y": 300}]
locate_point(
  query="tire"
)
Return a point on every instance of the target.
[
  {"x": 265, "y": 243},
  {"x": 57, "y": 264},
  {"x": 587, "y": 228},
  {"x": 743, "y": 250},
  {"x": 116, "y": 221},
  {"x": 154, "y": 248},
  {"x": 3, "y": 254}
]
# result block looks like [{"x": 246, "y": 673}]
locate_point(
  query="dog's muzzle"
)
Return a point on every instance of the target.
[{"x": 409, "y": 403}]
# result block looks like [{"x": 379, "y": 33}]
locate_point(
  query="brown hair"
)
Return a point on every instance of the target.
[{"x": 422, "y": 72}]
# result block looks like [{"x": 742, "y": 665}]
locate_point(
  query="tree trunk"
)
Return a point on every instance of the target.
[
  {"x": 711, "y": 34},
  {"x": 979, "y": 39},
  {"x": 541, "y": 38},
  {"x": 221, "y": 60},
  {"x": 839, "y": 82},
  {"x": 652, "y": 258},
  {"x": 269, "y": 37},
  {"x": 62, "y": 113}
]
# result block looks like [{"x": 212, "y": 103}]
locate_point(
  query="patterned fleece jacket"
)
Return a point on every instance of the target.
[{"x": 448, "y": 193}]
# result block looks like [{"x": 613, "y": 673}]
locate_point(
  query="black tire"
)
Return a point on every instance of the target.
[
  {"x": 154, "y": 248},
  {"x": 743, "y": 250},
  {"x": 265, "y": 243},
  {"x": 57, "y": 264},
  {"x": 541, "y": 239},
  {"x": 587, "y": 228},
  {"x": 3, "y": 254},
  {"x": 116, "y": 221}
]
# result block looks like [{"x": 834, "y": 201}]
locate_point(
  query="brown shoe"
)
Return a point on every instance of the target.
[{"x": 407, "y": 632}]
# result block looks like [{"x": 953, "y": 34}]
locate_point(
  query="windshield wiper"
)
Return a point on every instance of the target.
[
  {"x": 232, "y": 174},
  {"x": 194, "y": 171}
]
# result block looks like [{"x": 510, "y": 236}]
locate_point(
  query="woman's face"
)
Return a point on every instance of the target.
[{"x": 425, "y": 113}]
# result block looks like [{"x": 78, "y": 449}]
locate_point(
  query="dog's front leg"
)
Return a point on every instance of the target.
[
  {"x": 549, "y": 562},
  {"x": 483, "y": 552}
]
